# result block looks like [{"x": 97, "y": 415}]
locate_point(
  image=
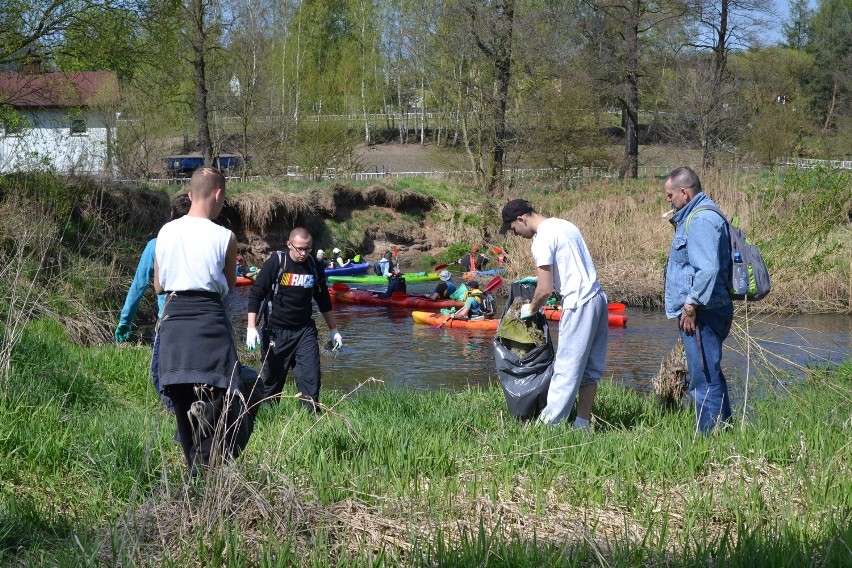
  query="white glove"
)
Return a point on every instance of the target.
[
  {"x": 252, "y": 338},
  {"x": 335, "y": 340},
  {"x": 526, "y": 311}
]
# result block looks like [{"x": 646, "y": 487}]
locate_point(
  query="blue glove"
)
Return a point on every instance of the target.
[
  {"x": 526, "y": 311},
  {"x": 122, "y": 333}
]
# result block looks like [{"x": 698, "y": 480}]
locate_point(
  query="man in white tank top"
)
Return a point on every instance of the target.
[
  {"x": 199, "y": 371},
  {"x": 563, "y": 263}
]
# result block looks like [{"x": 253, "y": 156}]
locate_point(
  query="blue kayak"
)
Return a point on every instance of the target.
[{"x": 351, "y": 270}]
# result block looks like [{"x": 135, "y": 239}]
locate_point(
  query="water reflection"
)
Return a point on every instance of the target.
[{"x": 386, "y": 344}]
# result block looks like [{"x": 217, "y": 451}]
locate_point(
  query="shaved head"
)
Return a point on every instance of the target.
[
  {"x": 300, "y": 233},
  {"x": 205, "y": 180},
  {"x": 685, "y": 178}
]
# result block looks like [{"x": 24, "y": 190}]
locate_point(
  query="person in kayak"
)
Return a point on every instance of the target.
[
  {"x": 243, "y": 269},
  {"x": 384, "y": 265},
  {"x": 324, "y": 262},
  {"x": 293, "y": 281},
  {"x": 341, "y": 258},
  {"x": 475, "y": 307},
  {"x": 473, "y": 261},
  {"x": 396, "y": 283},
  {"x": 445, "y": 287}
]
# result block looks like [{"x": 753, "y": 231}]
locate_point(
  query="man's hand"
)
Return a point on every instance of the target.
[
  {"x": 252, "y": 338},
  {"x": 335, "y": 339},
  {"x": 526, "y": 311},
  {"x": 687, "y": 319},
  {"x": 122, "y": 333}
]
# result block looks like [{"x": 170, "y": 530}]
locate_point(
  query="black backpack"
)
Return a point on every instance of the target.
[{"x": 489, "y": 304}]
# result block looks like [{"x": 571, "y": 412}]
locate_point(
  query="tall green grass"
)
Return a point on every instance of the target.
[{"x": 388, "y": 477}]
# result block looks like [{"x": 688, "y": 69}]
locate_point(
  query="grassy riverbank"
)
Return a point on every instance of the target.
[
  {"x": 387, "y": 477},
  {"x": 89, "y": 475}
]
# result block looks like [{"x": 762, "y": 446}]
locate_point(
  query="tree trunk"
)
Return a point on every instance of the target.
[
  {"x": 830, "y": 114},
  {"x": 630, "y": 100},
  {"x": 720, "y": 60},
  {"x": 502, "y": 59},
  {"x": 363, "y": 68},
  {"x": 199, "y": 63}
]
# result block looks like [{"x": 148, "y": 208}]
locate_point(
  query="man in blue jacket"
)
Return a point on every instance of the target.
[
  {"x": 141, "y": 280},
  {"x": 697, "y": 295},
  {"x": 143, "y": 277}
]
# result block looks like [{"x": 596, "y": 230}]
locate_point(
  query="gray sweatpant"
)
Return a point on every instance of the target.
[{"x": 580, "y": 356}]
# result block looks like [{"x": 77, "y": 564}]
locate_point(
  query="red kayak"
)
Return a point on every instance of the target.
[
  {"x": 397, "y": 299},
  {"x": 243, "y": 281}
]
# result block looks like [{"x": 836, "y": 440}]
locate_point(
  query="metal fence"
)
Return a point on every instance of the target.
[
  {"x": 581, "y": 173},
  {"x": 813, "y": 163}
]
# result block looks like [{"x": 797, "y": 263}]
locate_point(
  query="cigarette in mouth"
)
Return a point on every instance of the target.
[{"x": 668, "y": 213}]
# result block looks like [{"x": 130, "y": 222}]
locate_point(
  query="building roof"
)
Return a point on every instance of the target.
[{"x": 58, "y": 89}]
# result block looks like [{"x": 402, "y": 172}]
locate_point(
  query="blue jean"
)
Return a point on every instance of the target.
[{"x": 707, "y": 384}]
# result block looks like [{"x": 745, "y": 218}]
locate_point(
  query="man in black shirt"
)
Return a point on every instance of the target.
[{"x": 294, "y": 279}]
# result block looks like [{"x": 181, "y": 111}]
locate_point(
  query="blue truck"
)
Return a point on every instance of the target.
[{"x": 184, "y": 165}]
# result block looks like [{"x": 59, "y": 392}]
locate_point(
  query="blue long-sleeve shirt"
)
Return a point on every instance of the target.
[
  {"x": 141, "y": 280},
  {"x": 699, "y": 259}
]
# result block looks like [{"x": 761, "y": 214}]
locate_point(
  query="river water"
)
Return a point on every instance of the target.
[{"x": 387, "y": 345}]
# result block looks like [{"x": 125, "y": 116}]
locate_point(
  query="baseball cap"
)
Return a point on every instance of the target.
[
  {"x": 445, "y": 275},
  {"x": 512, "y": 211},
  {"x": 239, "y": 257},
  {"x": 336, "y": 250},
  {"x": 474, "y": 248}
]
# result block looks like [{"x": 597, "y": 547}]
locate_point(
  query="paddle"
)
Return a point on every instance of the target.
[
  {"x": 440, "y": 325},
  {"x": 441, "y": 267},
  {"x": 493, "y": 284}
]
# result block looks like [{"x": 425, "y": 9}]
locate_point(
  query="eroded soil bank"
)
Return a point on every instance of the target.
[{"x": 800, "y": 221}]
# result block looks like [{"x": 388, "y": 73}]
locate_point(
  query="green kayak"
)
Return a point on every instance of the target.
[{"x": 376, "y": 279}]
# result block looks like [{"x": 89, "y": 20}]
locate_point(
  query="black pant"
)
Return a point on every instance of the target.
[
  {"x": 208, "y": 422},
  {"x": 297, "y": 349}
]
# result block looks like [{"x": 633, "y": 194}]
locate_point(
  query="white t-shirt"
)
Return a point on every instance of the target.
[
  {"x": 559, "y": 244},
  {"x": 191, "y": 255}
]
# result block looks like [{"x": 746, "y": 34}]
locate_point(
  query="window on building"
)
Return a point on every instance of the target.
[{"x": 78, "y": 126}]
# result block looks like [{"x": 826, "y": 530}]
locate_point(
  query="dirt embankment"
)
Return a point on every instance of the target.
[{"x": 367, "y": 221}]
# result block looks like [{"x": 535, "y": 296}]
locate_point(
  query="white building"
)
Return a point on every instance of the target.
[{"x": 63, "y": 122}]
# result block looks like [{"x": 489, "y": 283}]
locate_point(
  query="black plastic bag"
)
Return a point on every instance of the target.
[{"x": 525, "y": 379}]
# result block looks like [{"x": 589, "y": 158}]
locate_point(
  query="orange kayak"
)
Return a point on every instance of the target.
[
  {"x": 615, "y": 320},
  {"x": 434, "y": 319},
  {"x": 243, "y": 281},
  {"x": 397, "y": 300}
]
